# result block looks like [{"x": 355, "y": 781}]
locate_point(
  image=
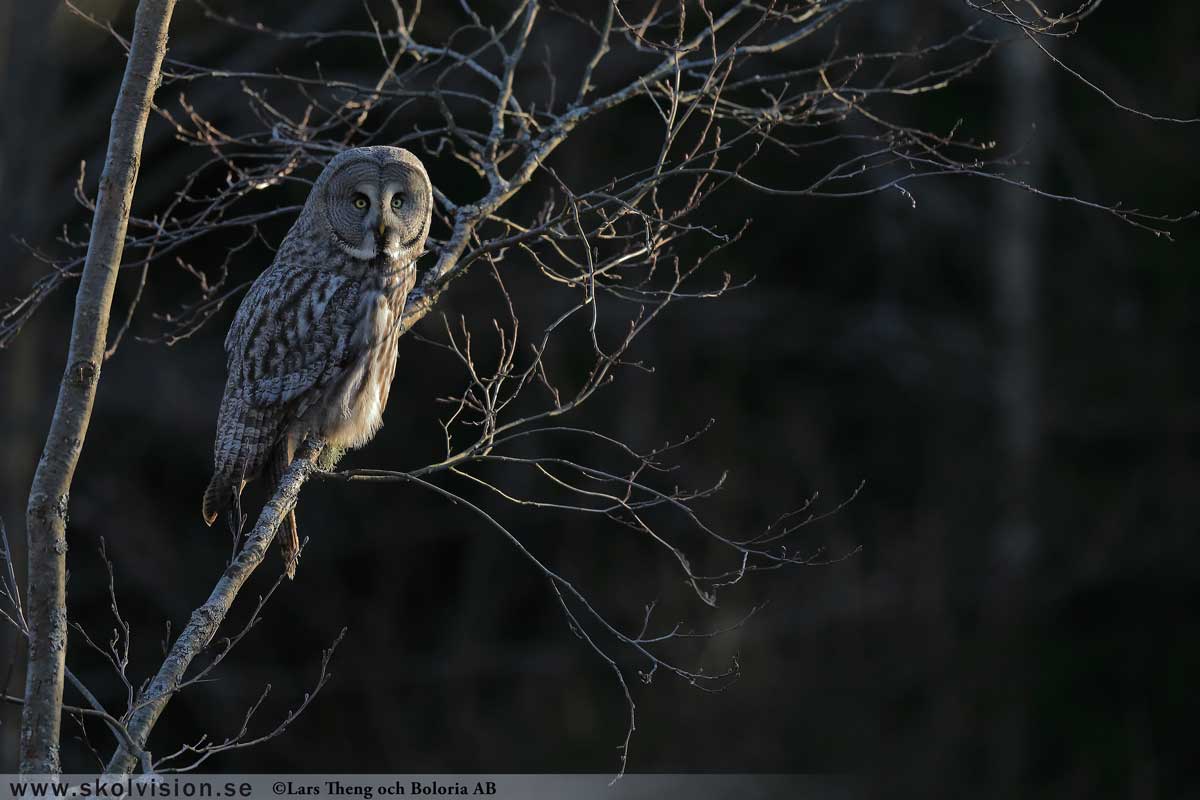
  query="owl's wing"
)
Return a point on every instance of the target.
[
  {"x": 290, "y": 335},
  {"x": 296, "y": 333}
]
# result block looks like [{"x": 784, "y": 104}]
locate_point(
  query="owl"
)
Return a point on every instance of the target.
[{"x": 312, "y": 349}]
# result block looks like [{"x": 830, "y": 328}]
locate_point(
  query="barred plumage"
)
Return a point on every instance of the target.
[{"x": 312, "y": 349}]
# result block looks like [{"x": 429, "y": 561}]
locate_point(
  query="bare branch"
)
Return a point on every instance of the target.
[{"x": 207, "y": 618}]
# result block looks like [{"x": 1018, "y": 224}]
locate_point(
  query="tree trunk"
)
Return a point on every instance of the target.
[
  {"x": 1015, "y": 272},
  {"x": 46, "y": 514},
  {"x": 1017, "y": 252}
]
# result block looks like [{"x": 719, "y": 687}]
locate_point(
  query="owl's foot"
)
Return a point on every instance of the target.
[{"x": 329, "y": 458}]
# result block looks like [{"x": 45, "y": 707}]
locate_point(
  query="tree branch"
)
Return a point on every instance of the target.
[{"x": 206, "y": 619}]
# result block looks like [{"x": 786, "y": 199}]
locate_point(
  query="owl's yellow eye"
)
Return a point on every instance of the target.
[
  {"x": 397, "y": 201},
  {"x": 360, "y": 202}
]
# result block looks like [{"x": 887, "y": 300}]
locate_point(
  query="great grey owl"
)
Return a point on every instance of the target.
[{"x": 312, "y": 349}]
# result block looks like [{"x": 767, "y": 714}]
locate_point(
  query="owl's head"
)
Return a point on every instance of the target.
[{"x": 377, "y": 201}]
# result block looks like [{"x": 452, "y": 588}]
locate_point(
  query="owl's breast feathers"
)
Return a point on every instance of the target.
[
  {"x": 350, "y": 410},
  {"x": 309, "y": 351}
]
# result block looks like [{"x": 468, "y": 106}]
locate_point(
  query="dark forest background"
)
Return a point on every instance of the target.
[{"x": 1011, "y": 377}]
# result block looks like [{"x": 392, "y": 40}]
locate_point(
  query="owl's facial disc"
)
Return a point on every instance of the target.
[{"x": 375, "y": 209}]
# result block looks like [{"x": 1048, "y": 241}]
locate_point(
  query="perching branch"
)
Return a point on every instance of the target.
[{"x": 205, "y": 620}]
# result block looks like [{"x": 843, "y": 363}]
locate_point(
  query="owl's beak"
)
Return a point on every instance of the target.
[{"x": 382, "y": 226}]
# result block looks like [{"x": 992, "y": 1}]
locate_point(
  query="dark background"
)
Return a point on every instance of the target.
[{"x": 1010, "y": 376}]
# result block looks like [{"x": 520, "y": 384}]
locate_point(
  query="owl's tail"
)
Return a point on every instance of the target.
[
  {"x": 217, "y": 497},
  {"x": 222, "y": 491}
]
